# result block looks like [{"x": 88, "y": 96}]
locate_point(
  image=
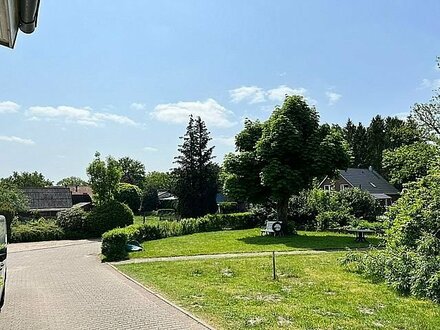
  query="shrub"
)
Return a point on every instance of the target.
[
  {"x": 107, "y": 216},
  {"x": 129, "y": 194},
  {"x": 228, "y": 207},
  {"x": 36, "y": 230},
  {"x": 333, "y": 219},
  {"x": 360, "y": 203},
  {"x": 114, "y": 241},
  {"x": 73, "y": 220},
  {"x": 410, "y": 262},
  {"x": 150, "y": 200}
]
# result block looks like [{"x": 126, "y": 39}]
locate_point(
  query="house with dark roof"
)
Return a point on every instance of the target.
[
  {"x": 365, "y": 179},
  {"x": 81, "y": 194},
  {"x": 49, "y": 200}
]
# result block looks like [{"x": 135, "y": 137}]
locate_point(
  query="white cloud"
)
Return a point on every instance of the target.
[
  {"x": 251, "y": 94},
  {"x": 332, "y": 97},
  {"x": 15, "y": 139},
  {"x": 279, "y": 94},
  {"x": 138, "y": 106},
  {"x": 228, "y": 141},
  {"x": 152, "y": 149},
  {"x": 82, "y": 116},
  {"x": 210, "y": 111},
  {"x": 427, "y": 83},
  {"x": 9, "y": 107}
]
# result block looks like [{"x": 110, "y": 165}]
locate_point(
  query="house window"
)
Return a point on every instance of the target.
[
  {"x": 327, "y": 187},
  {"x": 343, "y": 187}
]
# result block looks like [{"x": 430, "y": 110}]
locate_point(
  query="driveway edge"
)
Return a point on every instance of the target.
[{"x": 161, "y": 297}]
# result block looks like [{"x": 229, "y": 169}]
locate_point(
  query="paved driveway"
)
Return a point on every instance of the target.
[{"x": 63, "y": 285}]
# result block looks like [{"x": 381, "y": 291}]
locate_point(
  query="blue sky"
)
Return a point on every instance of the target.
[{"x": 122, "y": 79}]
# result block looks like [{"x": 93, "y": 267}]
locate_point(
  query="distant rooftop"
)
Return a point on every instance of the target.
[
  {"x": 49, "y": 198},
  {"x": 368, "y": 180}
]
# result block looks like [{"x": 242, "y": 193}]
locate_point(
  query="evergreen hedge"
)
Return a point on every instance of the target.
[{"x": 114, "y": 241}]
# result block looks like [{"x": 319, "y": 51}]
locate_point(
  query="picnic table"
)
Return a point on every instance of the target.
[{"x": 361, "y": 234}]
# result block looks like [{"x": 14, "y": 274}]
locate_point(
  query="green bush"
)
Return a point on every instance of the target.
[
  {"x": 333, "y": 219},
  {"x": 150, "y": 200},
  {"x": 114, "y": 241},
  {"x": 129, "y": 194},
  {"x": 410, "y": 262},
  {"x": 360, "y": 203},
  {"x": 107, "y": 216},
  {"x": 36, "y": 230},
  {"x": 73, "y": 220},
  {"x": 8, "y": 213},
  {"x": 228, "y": 207}
]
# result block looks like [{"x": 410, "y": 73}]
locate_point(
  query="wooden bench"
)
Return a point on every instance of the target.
[{"x": 272, "y": 228}]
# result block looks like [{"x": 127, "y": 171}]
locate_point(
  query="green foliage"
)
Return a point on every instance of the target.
[
  {"x": 290, "y": 150},
  {"x": 27, "y": 180},
  {"x": 129, "y": 194},
  {"x": 13, "y": 198},
  {"x": 367, "y": 144},
  {"x": 228, "y": 207},
  {"x": 427, "y": 115},
  {"x": 107, "y": 216},
  {"x": 72, "y": 181},
  {"x": 409, "y": 162},
  {"x": 133, "y": 171},
  {"x": 114, "y": 241},
  {"x": 150, "y": 200},
  {"x": 159, "y": 181},
  {"x": 36, "y": 230},
  {"x": 104, "y": 177},
  {"x": 359, "y": 203},
  {"x": 73, "y": 220},
  {"x": 411, "y": 258},
  {"x": 333, "y": 219},
  {"x": 114, "y": 244},
  {"x": 196, "y": 174}
]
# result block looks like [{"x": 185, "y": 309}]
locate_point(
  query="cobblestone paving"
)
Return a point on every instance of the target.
[{"x": 63, "y": 285}]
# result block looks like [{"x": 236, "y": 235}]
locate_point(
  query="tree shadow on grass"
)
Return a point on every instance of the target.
[{"x": 313, "y": 242}]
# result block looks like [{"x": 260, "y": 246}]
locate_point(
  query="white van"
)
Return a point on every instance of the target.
[{"x": 3, "y": 255}]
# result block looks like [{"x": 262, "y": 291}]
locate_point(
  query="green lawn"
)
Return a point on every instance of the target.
[
  {"x": 139, "y": 219},
  {"x": 312, "y": 292},
  {"x": 249, "y": 240}
]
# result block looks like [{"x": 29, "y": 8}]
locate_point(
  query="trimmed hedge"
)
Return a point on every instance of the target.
[
  {"x": 36, "y": 230},
  {"x": 107, "y": 216},
  {"x": 114, "y": 241}
]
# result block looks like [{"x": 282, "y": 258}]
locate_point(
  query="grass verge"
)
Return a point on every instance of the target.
[
  {"x": 311, "y": 292},
  {"x": 249, "y": 240}
]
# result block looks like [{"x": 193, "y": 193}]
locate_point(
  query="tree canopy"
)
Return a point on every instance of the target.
[
  {"x": 133, "y": 171},
  {"x": 104, "y": 177},
  {"x": 196, "y": 174},
  {"x": 27, "y": 180},
  {"x": 291, "y": 150},
  {"x": 72, "y": 181}
]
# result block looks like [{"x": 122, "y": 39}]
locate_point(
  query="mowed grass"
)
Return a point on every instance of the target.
[
  {"x": 311, "y": 292},
  {"x": 250, "y": 240},
  {"x": 139, "y": 219}
]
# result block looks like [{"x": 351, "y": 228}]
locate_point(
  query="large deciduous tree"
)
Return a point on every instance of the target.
[
  {"x": 409, "y": 162},
  {"x": 27, "y": 180},
  {"x": 104, "y": 177},
  {"x": 196, "y": 174},
  {"x": 72, "y": 181},
  {"x": 428, "y": 114},
  {"x": 291, "y": 151},
  {"x": 133, "y": 171}
]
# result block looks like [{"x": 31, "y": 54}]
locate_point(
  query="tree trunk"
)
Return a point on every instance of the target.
[{"x": 282, "y": 207}]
